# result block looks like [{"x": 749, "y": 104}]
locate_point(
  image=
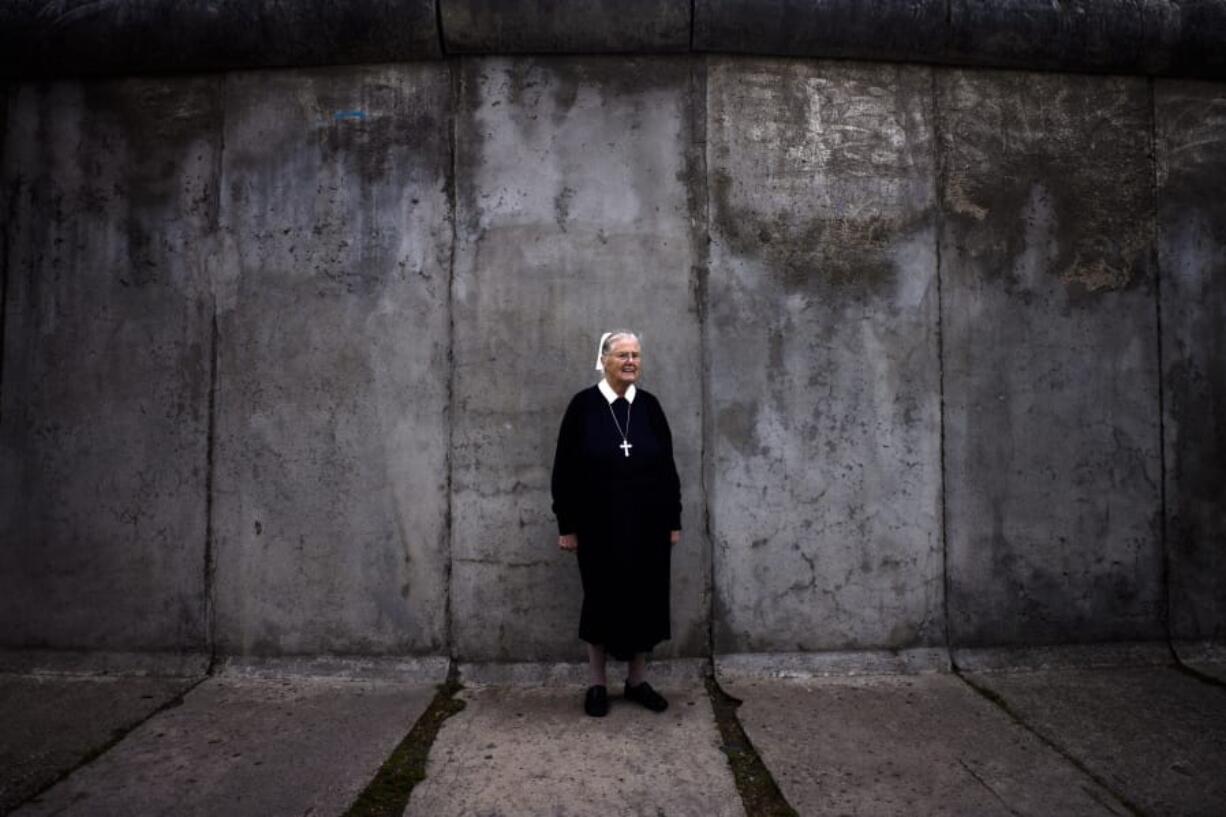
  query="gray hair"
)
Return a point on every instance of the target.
[{"x": 606, "y": 343}]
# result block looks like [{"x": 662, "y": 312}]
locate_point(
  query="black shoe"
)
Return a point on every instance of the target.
[
  {"x": 596, "y": 701},
  {"x": 645, "y": 695}
]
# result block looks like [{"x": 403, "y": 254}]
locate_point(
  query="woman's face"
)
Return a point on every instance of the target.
[{"x": 623, "y": 363}]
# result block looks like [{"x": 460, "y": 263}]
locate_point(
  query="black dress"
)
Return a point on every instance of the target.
[{"x": 622, "y": 508}]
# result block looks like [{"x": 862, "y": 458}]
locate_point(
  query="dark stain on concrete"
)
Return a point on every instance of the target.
[
  {"x": 832, "y": 255},
  {"x": 737, "y": 424},
  {"x": 818, "y": 132},
  {"x": 1048, "y": 235},
  {"x": 112, "y": 217},
  {"x": 153, "y": 129},
  {"x": 1056, "y": 168},
  {"x": 371, "y": 131},
  {"x": 561, "y": 206},
  {"x": 468, "y": 81},
  {"x": 1192, "y": 254}
]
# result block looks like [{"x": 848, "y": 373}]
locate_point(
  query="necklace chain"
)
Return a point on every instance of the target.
[{"x": 625, "y": 435}]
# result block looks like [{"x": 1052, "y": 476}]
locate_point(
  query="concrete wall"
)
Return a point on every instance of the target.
[
  {"x": 1192, "y": 258},
  {"x": 1053, "y": 460},
  {"x": 825, "y": 449},
  {"x": 579, "y": 185},
  {"x": 110, "y": 194},
  {"x": 81, "y": 37},
  {"x": 330, "y": 488},
  {"x": 285, "y": 352}
]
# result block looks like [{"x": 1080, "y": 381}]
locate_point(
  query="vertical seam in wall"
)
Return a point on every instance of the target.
[
  {"x": 210, "y": 532},
  {"x": 693, "y": 4},
  {"x": 438, "y": 23},
  {"x": 10, "y": 219},
  {"x": 1157, "y": 272},
  {"x": 455, "y": 81},
  {"x": 210, "y": 556},
  {"x": 699, "y": 103},
  {"x": 938, "y": 170},
  {"x": 4, "y": 298}
]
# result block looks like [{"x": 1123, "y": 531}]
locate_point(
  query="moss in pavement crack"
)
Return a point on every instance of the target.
[
  {"x": 387, "y": 794},
  {"x": 759, "y": 792}
]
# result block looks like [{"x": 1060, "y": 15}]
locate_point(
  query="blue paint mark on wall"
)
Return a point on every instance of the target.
[{"x": 341, "y": 115}]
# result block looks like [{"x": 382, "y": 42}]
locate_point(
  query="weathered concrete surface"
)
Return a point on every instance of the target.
[
  {"x": 1183, "y": 37},
  {"x": 95, "y": 662},
  {"x": 1210, "y": 669},
  {"x": 578, "y": 181},
  {"x": 430, "y": 669},
  {"x": 516, "y": 751},
  {"x": 1191, "y": 134},
  {"x": 1064, "y": 656},
  {"x": 1122, "y": 36},
  {"x": 145, "y": 36},
  {"x": 822, "y": 357},
  {"x": 1207, "y": 658},
  {"x": 1156, "y": 736},
  {"x": 258, "y": 748},
  {"x": 564, "y": 26},
  {"x": 921, "y": 744},
  {"x": 49, "y": 725},
  {"x": 863, "y": 29},
  {"x": 831, "y": 663},
  {"x": 330, "y": 495},
  {"x": 1125, "y": 36},
  {"x": 669, "y": 672},
  {"x": 110, "y": 202},
  {"x": 1051, "y": 367}
]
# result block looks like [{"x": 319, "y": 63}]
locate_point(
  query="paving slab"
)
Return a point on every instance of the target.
[
  {"x": 919, "y": 744},
  {"x": 518, "y": 750},
  {"x": 50, "y": 724},
  {"x": 1213, "y": 670},
  {"x": 1208, "y": 659},
  {"x": 247, "y": 747},
  {"x": 1155, "y": 735}
]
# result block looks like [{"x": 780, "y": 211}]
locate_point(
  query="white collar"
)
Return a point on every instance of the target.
[{"x": 611, "y": 395}]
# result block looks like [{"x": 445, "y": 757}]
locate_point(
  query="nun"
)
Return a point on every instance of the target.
[{"x": 617, "y": 499}]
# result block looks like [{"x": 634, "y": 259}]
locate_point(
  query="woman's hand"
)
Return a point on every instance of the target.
[
  {"x": 568, "y": 542},
  {"x": 674, "y": 537}
]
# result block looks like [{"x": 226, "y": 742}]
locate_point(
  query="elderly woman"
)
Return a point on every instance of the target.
[{"x": 618, "y": 502}]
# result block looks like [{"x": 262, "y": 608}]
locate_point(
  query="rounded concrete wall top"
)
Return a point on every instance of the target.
[{"x": 82, "y": 37}]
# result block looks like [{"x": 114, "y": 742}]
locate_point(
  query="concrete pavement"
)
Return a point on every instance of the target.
[
  {"x": 240, "y": 746},
  {"x": 1154, "y": 734},
  {"x": 526, "y": 751},
  {"x": 907, "y": 745},
  {"x": 49, "y": 725},
  {"x": 1141, "y": 740}
]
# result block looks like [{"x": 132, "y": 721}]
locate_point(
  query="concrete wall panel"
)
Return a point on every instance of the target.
[
  {"x": 578, "y": 181},
  {"x": 825, "y": 446},
  {"x": 1191, "y": 120},
  {"x": 331, "y": 496},
  {"x": 110, "y": 205},
  {"x": 1051, "y": 380}
]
